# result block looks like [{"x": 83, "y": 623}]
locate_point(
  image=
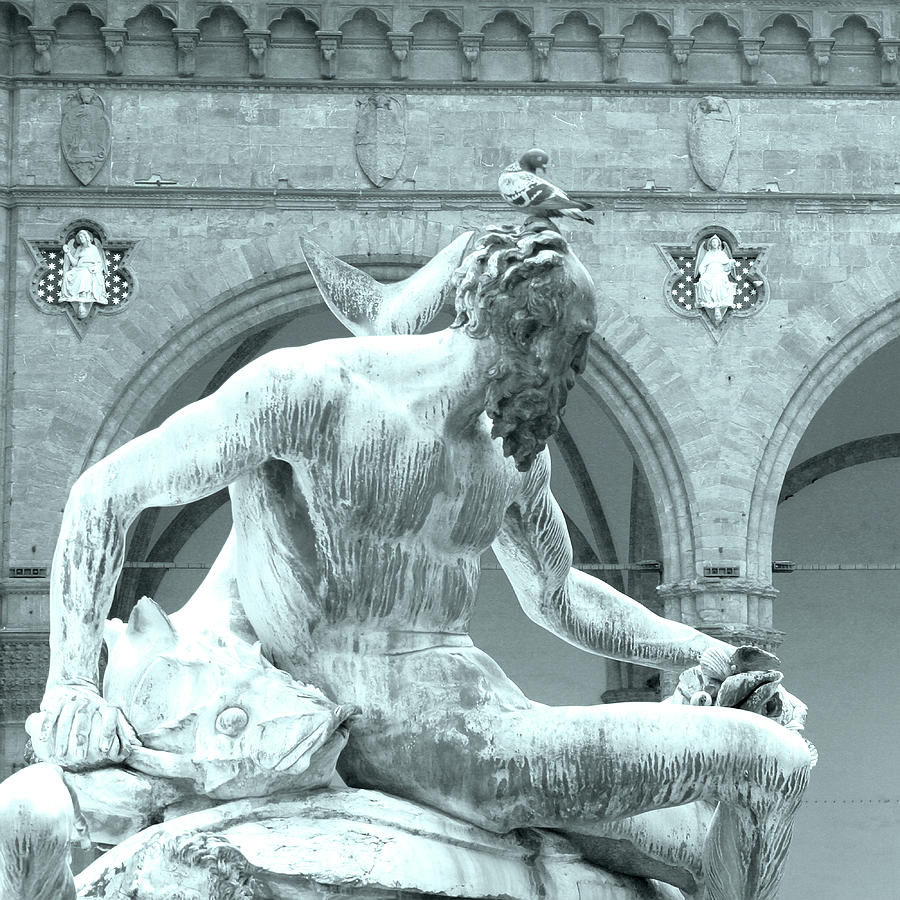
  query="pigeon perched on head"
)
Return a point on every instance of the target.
[{"x": 521, "y": 186}]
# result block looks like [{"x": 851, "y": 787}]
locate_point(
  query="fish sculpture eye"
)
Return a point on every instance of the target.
[{"x": 232, "y": 721}]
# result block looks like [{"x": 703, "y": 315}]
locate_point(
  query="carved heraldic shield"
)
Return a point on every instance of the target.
[
  {"x": 84, "y": 133},
  {"x": 380, "y": 136},
  {"x": 712, "y": 137}
]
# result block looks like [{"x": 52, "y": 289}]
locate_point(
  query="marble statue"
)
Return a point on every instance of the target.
[
  {"x": 715, "y": 288},
  {"x": 84, "y": 273},
  {"x": 39, "y": 819},
  {"x": 367, "y": 477}
]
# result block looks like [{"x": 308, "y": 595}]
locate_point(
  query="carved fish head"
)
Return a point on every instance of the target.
[{"x": 215, "y": 711}]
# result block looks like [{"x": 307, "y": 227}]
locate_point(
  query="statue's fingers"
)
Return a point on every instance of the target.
[
  {"x": 92, "y": 747},
  {"x": 79, "y": 734},
  {"x": 64, "y": 727},
  {"x": 127, "y": 736},
  {"x": 48, "y": 725},
  {"x": 106, "y": 738}
]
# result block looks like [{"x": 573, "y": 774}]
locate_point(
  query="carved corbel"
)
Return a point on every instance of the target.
[
  {"x": 257, "y": 44},
  {"x": 186, "y": 50},
  {"x": 540, "y": 56},
  {"x": 820, "y": 58},
  {"x": 611, "y": 51},
  {"x": 329, "y": 41},
  {"x": 680, "y": 50},
  {"x": 750, "y": 52},
  {"x": 401, "y": 44},
  {"x": 470, "y": 44},
  {"x": 114, "y": 42},
  {"x": 889, "y": 49},
  {"x": 43, "y": 41}
]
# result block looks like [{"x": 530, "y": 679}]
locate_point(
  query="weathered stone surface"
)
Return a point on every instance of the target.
[
  {"x": 380, "y": 136},
  {"x": 348, "y": 843},
  {"x": 85, "y": 133},
  {"x": 712, "y": 137}
]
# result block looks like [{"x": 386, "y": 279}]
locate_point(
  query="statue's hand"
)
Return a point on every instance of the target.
[{"x": 77, "y": 729}]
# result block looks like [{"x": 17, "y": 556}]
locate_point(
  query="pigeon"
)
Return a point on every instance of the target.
[{"x": 521, "y": 186}]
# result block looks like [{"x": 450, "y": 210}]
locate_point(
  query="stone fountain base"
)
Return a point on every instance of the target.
[{"x": 362, "y": 844}]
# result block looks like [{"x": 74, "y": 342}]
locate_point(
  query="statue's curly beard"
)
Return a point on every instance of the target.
[{"x": 525, "y": 406}]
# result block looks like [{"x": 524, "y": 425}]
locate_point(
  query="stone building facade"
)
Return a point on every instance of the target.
[{"x": 197, "y": 140}]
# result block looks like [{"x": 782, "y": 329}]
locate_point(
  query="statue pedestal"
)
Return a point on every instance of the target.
[{"x": 348, "y": 843}]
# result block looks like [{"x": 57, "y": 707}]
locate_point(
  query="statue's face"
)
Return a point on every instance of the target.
[
  {"x": 83, "y": 237},
  {"x": 715, "y": 243}
]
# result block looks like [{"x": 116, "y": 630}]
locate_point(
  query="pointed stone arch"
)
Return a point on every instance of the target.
[
  {"x": 590, "y": 16},
  {"x": 490, "y": 16},
  {"x": 95, "y": 9},
  {"x": 857, "y": 344},
  {"x": 617, "y": 389},
  {"x": 451, "y": 15},
  {"x": 799, "y": 21},
  {"x": 660, "y": 19},
  {"x": 310, "y": 15},
  {"x": 350, "y": 14},
  {"x": 841, "y": 20},
  {"x": 164, "y": 10},
  {"x": 229, "y": 11}
]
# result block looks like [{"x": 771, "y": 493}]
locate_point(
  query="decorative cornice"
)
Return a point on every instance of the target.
[
  {"x": 174, "y": 197},
  {"x": 501, "y": 88}
]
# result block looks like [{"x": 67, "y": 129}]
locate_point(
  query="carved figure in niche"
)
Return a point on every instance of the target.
[
  {"x": 368, "y": 475},
  {"x": 715, "y": 285},
  {"x": 84, "y": 273}
]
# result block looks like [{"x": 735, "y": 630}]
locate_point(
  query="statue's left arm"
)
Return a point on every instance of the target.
[{"x": 534, "y": 549}]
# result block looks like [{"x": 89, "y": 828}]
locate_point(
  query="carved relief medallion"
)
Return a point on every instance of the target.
[
  {"x": 713, "y": 278},
  {"x": 380, "y": 136},
  {"x": 84, "y": 133},
  {"x": 81, "y": 273},
  {"x": 712, "y": 136}
]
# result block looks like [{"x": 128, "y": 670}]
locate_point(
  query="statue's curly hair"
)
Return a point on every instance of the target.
[{"x": 512, "y": 283}]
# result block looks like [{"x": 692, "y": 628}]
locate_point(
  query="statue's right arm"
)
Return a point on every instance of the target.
[{"x": 255, "y": 416}]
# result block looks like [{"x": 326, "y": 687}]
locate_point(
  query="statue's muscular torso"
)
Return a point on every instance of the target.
[{"x": 375, "y": 519}]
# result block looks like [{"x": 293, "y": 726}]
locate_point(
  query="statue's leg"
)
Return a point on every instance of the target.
[
  {"x": 578, "y": 765},
  {"x": 665, "y": 844},
  {"x": 569, "y": 768}
]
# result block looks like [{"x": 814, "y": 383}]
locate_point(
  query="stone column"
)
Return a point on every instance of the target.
[
  {"x": 114, "y": 42},
  {"x": 680, "y": 49},
  {"x": 186, "y": 40},
  {"x": 470, "y": 45},
  {"x": 43, "y": 41},
  {"x": 736, "y": 610},
  {"x": 257, "y": 45},
  {"x": 540, "y": 55},
  {"x": 329, "y": 41},
  {"x": 820, "y": 59},
  {"x": 401, "y": 44},
  {"x": 888, "y": 48},
  {"x": 611, "y": 51},
  {"x": 750, "y": 53}
]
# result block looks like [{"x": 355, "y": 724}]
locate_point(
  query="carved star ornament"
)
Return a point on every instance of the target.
[
  {"x": 714, "y": 279},
  {"x": 81, "y": 273}
]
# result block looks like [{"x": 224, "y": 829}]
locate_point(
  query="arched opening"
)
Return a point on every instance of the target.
[{"x": 838, "y": 521}]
